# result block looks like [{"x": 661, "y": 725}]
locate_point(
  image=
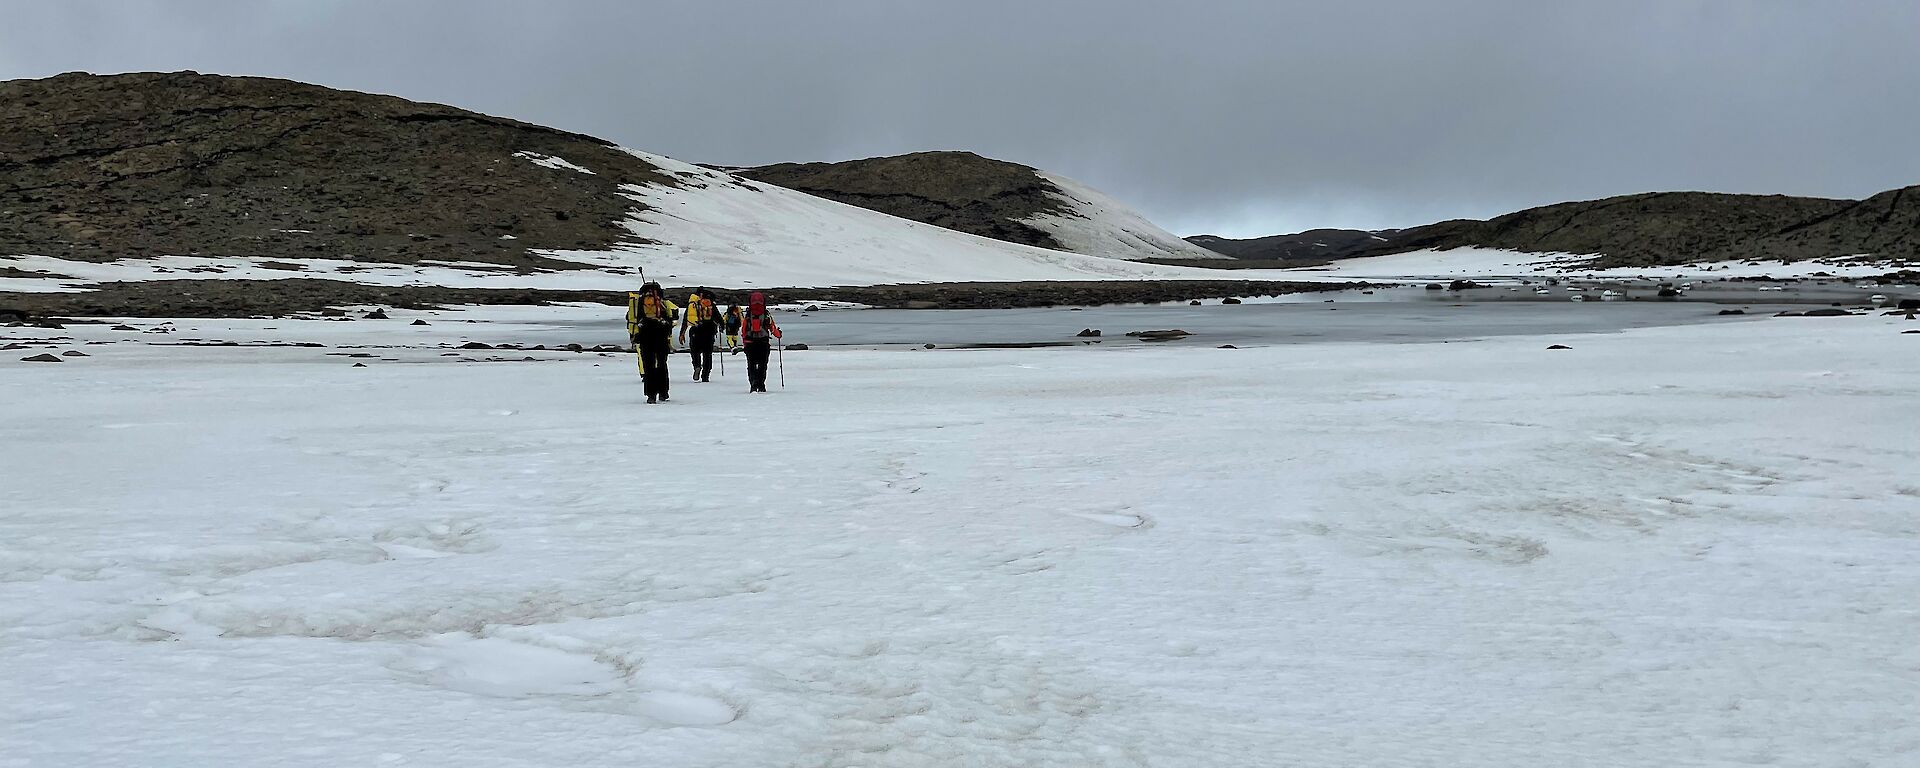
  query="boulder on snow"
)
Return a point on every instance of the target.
[
  {"x": 1194, "y": 303},
  {"x": 1732, "y": 312},
  {"x": 123, "y": 328},
  {"x": 1668, "y": 293},
  {"x": 74, "y": 353},
  {"x": 378, "y": 314},
  {"x": 1826, "y": 312},
  {"x": 1559, "y": 346},
  {"x": 1461, "y": 285},
  {"x": 41, "y": 358},
  {"x": 1434, "y": 286},
  {"x": 1226, "y": 346},
  {"x": 1088, "y": 332},
  {"x": 475, "y": 345},
  {"x": 1229, "y": 300},
  {"x": 1165, "y": 334},
  {"x": 331, "y": 312},
  {"x": 1916, "y": 330},
  {"x": 797, "y": 347},
  {"x": 359, "y": 365},
  {"x": 419, "y": 322},
  {"x": 1909, "y": 304}
]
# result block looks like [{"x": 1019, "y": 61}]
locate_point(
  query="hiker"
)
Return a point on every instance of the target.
[
  {"x": 704, "y": 320},
  {"x": 759, "y": 330},
  {"x": 650, "y": 326},
  {"x": 732, "y": 322}
]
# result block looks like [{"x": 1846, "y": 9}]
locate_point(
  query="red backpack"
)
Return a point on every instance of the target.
[{"x": 759, "y": 327}]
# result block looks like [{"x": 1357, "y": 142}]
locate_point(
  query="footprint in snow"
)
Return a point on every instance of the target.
[
  {"x": 684, "y": 709},
  {"x": 1131, "y": 520},
  {"x": 500, "y": 668},
  {"x": 508, "y": 670}
]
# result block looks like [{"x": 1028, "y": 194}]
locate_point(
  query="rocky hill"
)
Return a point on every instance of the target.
[
  {"x": 184, "y": 193},
  {"x": 1313, "y": 246},
  {"x": 1648, "y": 229},
  {"x": 1660, "y": 228},
  {"x": 968, "y": 193},
  {"x": 94, "y": 168},
  {"x": 960, "y": 191}
]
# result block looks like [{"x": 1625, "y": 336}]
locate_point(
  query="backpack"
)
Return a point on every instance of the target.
[
  {"x": 653, "y": 311},
  {"x": 758, "y": 327},
  {"x": 701, "y": 312}
]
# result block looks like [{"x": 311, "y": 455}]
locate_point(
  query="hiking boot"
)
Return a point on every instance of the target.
[{"x": 651, "y": 400}]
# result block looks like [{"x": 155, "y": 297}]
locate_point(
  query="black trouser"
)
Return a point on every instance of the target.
[
  {"x": 654, "y": 348},
  {"x": 702, "y": 350},
  {"x": 757, "y": 353}
]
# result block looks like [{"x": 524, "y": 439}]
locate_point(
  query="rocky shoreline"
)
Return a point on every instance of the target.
[{"x": 265, "y": 298}]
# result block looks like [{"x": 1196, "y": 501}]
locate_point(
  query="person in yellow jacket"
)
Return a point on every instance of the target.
[
  {"x": 732, "y": 321},
  {"x": 704, "y": 320},
  {"x": 650, "y": 325}
]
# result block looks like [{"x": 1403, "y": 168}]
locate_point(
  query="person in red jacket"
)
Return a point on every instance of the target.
[{"x": 758, "y": 330}]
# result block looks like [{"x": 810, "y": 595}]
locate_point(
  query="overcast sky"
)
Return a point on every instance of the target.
[{"x": 1241, "y": 118}]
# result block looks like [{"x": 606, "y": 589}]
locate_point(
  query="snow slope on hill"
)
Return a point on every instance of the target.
[
  {"x": 1682, "y": 546},
  {"x": 1100, "y": 225},
  {"x": 723, "y": 230},
  {"x": 714, "y": 229}
]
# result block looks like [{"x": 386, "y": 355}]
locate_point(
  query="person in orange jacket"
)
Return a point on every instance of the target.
[{"x": 758, "y": 330}]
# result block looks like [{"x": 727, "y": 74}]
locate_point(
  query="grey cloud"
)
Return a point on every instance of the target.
[{"x": 1240, "y": 118}]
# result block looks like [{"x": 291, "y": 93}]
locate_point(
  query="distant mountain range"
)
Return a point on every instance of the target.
[
  {"x": 1314, "y": 246},
  {"x": 167, "y": 176},
  {"x": 1659, "y": 228}
]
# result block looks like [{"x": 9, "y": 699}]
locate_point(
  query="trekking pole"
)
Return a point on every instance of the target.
[{"x": 783, "y": 363}]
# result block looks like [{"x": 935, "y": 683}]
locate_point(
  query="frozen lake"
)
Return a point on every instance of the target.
[{"x": 1384, "y": 315}]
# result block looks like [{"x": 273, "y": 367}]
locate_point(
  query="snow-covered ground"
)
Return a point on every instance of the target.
[
  {"x": 1680, "y": 546},
  {"x": 1492, "y": 262}
]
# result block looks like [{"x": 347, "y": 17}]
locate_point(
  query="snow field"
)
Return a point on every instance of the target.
[{"x": 1674, "y": 546}]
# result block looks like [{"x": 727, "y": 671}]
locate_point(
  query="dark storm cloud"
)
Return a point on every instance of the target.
[{"x": 1241, "y": 118}]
